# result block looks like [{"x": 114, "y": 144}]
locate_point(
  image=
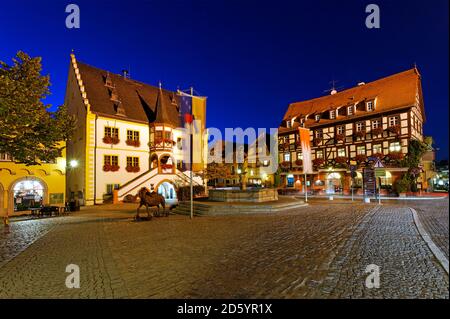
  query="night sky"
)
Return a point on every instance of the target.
[{"x": 251, "y": 58}]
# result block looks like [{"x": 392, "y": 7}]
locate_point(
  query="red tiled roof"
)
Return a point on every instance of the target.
[
  {"x": 141, "y": 102},
  {"x": 392, "y": 92}
]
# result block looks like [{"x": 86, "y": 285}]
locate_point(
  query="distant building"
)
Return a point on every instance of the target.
[
  {"x": 369, "y": 121},
  {"x": 259, "y": 171},
  {"x": 128, "y": 136}
]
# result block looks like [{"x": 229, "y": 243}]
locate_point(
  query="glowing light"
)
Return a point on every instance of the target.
[{"x": 73, "y": 163}]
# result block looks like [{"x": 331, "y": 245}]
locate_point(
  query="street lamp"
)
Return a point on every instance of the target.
[{"x": 73, "y": 163}]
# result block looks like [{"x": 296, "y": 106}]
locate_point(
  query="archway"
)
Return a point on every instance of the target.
[
  {"x": 334, "y": 183},
  {"x": 27, "y": 192},
  {"x": 167, "y": 189},
  {"x": 2, "y": 210}
]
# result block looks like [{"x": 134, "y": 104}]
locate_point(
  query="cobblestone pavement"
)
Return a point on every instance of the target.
[
  {"x": 316, "y": 251},
  {"x": 434, "y": 215},
  {"x": 387, "y": 237}
]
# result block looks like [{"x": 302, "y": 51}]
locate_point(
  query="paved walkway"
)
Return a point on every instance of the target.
[{"x": 316, "y": 251}]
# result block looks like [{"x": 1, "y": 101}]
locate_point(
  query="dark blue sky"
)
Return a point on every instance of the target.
[{"x": 251, "y": 58}]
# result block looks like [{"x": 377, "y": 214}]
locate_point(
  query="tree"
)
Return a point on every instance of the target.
[{"x": 29, "y": 132}]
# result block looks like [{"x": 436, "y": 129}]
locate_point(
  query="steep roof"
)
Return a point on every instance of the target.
[
  {"x": 392, "y": 92},
  {"x": 137, "y": 101}
]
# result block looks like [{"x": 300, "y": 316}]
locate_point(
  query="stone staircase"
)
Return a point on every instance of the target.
[{"x": 219, "y": 208}]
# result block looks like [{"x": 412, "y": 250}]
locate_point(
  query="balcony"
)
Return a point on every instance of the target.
[{"x": 162, "y": 145}]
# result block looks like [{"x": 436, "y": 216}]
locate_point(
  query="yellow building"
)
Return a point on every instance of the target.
[{"x": 22, "y": 187}]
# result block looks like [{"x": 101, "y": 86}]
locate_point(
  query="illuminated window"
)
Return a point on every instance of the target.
[
  {"x": 377, "y": 149},
  {"x": 299, "y": 156},
  {"x": 132, "y": 135},
  {"x": 395, "y": 147},
  {"x": 317, "y": 117},
  {"x": 332, "y": 114},
  {"x": 133, "y": 161},
  {"x": 361, "y": 150},
  {"x": 359, "y": 126},
  {"x": 287, "y": 157},
  {"x": 370, "y": 106},
  {"x": 111, "y": 160},
  {"x": 376, "y": 123},
  {"x": 319, "y": 154},
  {"x": 350, "y": 110},
  {"x": 319, "y": 133},
  {"x": 340, "y": 129},
  {"x": 394, "y": 120},
  {"x": 111, "y": 131},
  {"x": 288, "y": 124},
  {"x": 341, "y": 152}
]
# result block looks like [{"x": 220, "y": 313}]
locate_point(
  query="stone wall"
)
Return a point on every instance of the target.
[{"x": 251, "y": 195}]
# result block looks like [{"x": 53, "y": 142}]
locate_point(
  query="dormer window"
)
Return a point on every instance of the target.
[
  {"x": 370, "y": 106},
  {"x": 317, "y": 117},
  {"x": 288, "y": 124},
  {"x": 332, "y": 114},
  {"x": 350, "y": 110}
]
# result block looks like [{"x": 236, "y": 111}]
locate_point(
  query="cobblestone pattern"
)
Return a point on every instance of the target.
[
  {"x": 316, "y": 251},
  {"x": 434, "y": 215},
  {"x": 39, "y": 271},
  {"x": 387, "y": 237},
  {"x": 19, "y": 235},
  {"x": 277, "y": 255}
]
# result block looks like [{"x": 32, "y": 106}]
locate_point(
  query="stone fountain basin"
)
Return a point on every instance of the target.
[{"x": 253, "y": 195}]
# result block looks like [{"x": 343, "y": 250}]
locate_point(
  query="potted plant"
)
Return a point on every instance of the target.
[
  {"x": 402, "y": 186},
  {"x": 394, "y": 129},
  {"x": 134, "y": 143},
  {"x": 317, "y": 141},
  {"x": 396, "y": 155},
  {"x": 317, "y": 162},
  {"x": 340, "y": 137},
  {"x": 377, "y": 131},
  {"x": 378, "y": 155},
  {"x": 360, "y": 158},
  {"x": 361, "y": 133},
  {"x": 285, "y": 164}
]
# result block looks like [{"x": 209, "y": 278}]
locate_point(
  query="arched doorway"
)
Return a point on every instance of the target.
[
  {"x": 28, "y": 192},
  {"x": 334, "y": 183},
  {"x": 167, "y": 189},
  {"x": 2, "y": 210}
]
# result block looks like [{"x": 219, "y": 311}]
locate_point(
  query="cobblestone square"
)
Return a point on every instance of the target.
[{"x": 318, "y": 251}]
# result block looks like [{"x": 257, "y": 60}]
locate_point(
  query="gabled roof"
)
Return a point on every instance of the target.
[
  {"x": 140, "y": 102},
  {"x": 392, "y": 92}
]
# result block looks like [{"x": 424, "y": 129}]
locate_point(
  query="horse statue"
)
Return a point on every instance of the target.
[{"x": 149, "y": 199}]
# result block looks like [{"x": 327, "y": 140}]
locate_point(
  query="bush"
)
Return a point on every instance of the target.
[
  {"x": 184, "y": 192},
  {"x": 402, "y": 185}
]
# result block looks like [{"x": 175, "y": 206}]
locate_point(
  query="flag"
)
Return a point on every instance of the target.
[
  {"x": 193, "y": 116},
  {"x": 306, "y": 150}
]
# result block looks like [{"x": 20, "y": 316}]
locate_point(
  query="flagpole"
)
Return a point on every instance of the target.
[
  {"x": 306, "y": 189},
  {"x": 191, "y": 159}
]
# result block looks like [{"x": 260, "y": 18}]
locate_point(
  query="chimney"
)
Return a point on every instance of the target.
[
  {"x": 125, "y": 74},
  {"x": 361, "y": 83}
]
